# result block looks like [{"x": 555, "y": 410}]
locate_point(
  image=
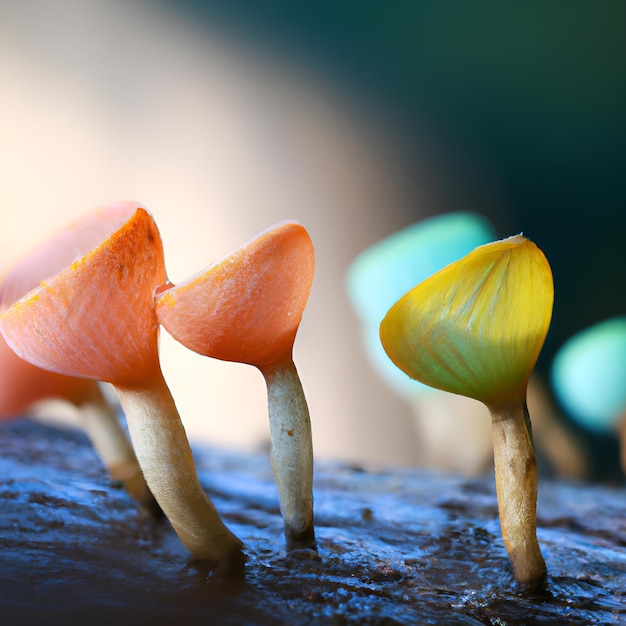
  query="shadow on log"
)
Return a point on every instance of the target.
[{"x": 402, "y": 547}]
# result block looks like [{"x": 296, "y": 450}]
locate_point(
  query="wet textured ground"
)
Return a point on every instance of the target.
[{"x": 405, "y": 547}]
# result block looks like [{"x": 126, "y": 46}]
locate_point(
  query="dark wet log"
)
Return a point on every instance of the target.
[{"x": 405, "y": 547}]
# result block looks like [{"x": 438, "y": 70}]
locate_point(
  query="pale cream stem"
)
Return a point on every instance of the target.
[
  {"x": 165, "y": 457},
  {"x": 516, "y": 484},
  {"x": 292, "y": 454},
  {"x": 103, "y": 427}
]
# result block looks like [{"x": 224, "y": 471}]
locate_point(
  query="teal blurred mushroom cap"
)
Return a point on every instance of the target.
[
  {"x": 589, "y": 375},
  {"x": 384, "y": 272}
]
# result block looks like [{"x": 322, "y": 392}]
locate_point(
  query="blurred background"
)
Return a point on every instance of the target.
[{"x": 355, "y": 118}]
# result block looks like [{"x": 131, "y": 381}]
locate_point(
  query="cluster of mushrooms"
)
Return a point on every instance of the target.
[
  {"x": 246, "y": 308},
  {"x": 474, "y": 328}
]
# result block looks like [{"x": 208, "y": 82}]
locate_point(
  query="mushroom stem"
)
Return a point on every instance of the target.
[
  {"x": 516, "y": 486},
  {"x": 165, "y": 456},
  {"x": 292, "y": 453},
  {"x": 103, "y": 428}
]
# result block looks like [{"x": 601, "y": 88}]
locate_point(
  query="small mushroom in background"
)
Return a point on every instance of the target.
[
  {"x": 476, "y": 328},
  {"x": 93, "y": 316},
  {"x": 589, "y": 379},
  {"x": 247, "y": 309},
  {"x": 24, "y": 386},
  {"x": 453, "y": 432}
]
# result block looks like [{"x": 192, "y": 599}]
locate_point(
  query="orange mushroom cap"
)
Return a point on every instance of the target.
[
  {"x": 248, "y": 307},
  {"x": 94, "y": 317},
  {"x": 23, "y": 384}
]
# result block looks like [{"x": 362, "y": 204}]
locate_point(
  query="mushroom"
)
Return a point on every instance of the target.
[
  {"x": 94, "y": 317},
  {"x": 23, "y": 386},
  {"x": 247, "y": 308},
  {"x": 589, "y": 379},
  {"x": 376, "y": 279},
  {"x": 476, "y": 328}
]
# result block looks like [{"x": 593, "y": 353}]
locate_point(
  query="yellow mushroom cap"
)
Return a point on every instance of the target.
[{"x": 477, "y": 326}]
